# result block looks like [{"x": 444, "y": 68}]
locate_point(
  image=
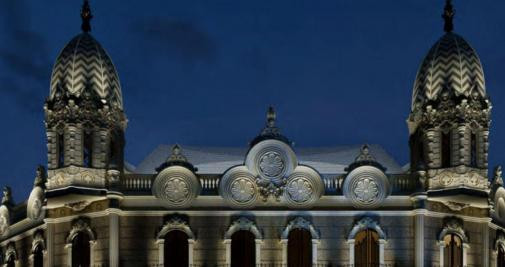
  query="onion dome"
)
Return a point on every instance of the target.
[
  {"x": 270, "y": 131},
  {"x": 85, "y": 86},
  {"x": 83, "y": 65},
  {"x": 450, "y": 83},
  {"x": 451, "y": 63}
]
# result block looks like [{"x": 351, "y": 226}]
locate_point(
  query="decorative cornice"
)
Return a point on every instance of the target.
[
  {"x": 80, "y": 225},
  {"x": 453, "y": 225},
  {"x": 366, "y": 223},
  {"x": 175, "y": 224},
  {"x": 300, "y": 223},
  {"x": 245, "y": 224}
]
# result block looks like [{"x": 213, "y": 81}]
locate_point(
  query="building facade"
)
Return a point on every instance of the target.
[{"x": 268, "y": 204}]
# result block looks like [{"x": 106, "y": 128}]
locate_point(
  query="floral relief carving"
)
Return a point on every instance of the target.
[
  {"x": 271, "y": 164},
  {"x": 242, "y": 190},
  {"x": 300, "y": 190},
  {"x": 176, "y": 189},
  {"x": 366, "y": 190}
]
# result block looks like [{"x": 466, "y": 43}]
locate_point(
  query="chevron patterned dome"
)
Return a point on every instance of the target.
[
  {"x": 453, "y": 64},
  {"x": 84, "y": 65}
]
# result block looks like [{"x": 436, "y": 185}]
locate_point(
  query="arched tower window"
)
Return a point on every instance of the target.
[
  {"x": 176, "y": 249},
  {"x": 299, "y": 248},
  {"x": 453, "y": 251},
  {"x": 81, "y": 250},
  {"x": 61, "y": 150},
  {"x": 38, "y": 256},
  {"x": 501, "y": 257},
  {"x": 88, "y": 150},
  {"x": 10, "y": 262},
  {"x": 473, "y": 150},
  {"x": 446, "y": 150},
  {"x": 366, "y": 248},
  {"x": 243, "y": 252}
]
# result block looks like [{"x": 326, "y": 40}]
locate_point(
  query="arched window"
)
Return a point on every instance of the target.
[
  {"x": 366, "y": 244},
  {"x": 38, "y": 256},
  {"x": 446, "y": 150},
  {"x": 61, "y": 151},
  {"x": 453, "y": 251},
  {"x": 366, "y": 249},
  {"x": 176, "y": 249},
  {"x": 11, "y": 261},
  {"x": 299, "y": 248},
  {"x": 473, "y": 150},
  {"x": 501, "y": 257},
  {"x": 81, "y": 250},
  {"x": 88, "y": 149},
  {"x": 243, "y": 252}
]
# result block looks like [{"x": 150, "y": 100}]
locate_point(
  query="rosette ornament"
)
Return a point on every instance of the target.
[
  {"x": 176, "y": 183},
  {"x": 366, "y": 185}
]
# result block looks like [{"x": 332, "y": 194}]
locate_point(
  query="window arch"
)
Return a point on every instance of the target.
[
  {"x": 38, "y": 249},
  {"x": 473, "y": 149},
  {"x": 453, "y": 244},
  {"x": 80, "y": 243},
  {"x": 11, "y": 255},
  {"x": 446, "y": 149},
  {"x": 243, "y": 243},
  {"x": 299, "y": 243},
  {"x": 499, "y": 250},
  {"x": 175, "y": 239},
  {"x": 87, "y": 149},
  {"x": 366, "y": 243}
]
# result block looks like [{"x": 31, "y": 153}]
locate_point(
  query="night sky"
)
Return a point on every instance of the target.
[{"x": 204, "y": 72}]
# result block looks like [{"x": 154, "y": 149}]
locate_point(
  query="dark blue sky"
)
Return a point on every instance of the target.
[{"x": 203, "y": 72}]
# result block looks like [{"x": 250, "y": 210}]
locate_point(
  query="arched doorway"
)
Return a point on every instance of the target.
[
  {"x": 453, "y": 251},
  {"x": 176, "y": 249},
  {"x": 299, "y": 248},
  {"x": 243, "y": 249},
  {"x": 38, "y": 256},
  {"x": 81, "y": 250},
  {"x": 366, "y": 249}
]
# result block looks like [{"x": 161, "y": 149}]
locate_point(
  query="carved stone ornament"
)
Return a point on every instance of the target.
[
  {"x": 80, "y": 225},
  {"x": 364, "y": 224},
  {"x": 177, "y": 186},
  {"x": 453, "y": 225},
  {"x": 175, "y": 224},
  {"x": 457, "y": 177},
  {"x": 238, "y": 187},
  {"x": 38, "y": 240},
  {"x": 78, "y": 206},
  {"x": 303, "y": 188},
  {"x": 4, "y": 220},
  {"x": 271, "y": 161},
  {"x": 243, "y": 224},
  {"x": 76, "y": 176},
  {"x": 366, "y": 187},
  {"x": 300, "y": 223},
  {"x": 271, "y": 164},
  {"x": 34, "y": 206}
]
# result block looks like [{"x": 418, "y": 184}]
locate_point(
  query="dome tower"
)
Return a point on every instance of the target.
[
  {"x": 450, "y": 115},
  {"x": 84, "y": 115}
]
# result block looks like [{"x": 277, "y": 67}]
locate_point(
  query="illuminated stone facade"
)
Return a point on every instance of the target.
[{"x": 91, "y": 207}]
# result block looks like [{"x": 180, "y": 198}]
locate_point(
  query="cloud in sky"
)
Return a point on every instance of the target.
[{"x": 177, "y": 37}]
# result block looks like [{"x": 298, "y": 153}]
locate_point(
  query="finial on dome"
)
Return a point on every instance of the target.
[
  {"x": 271, "y": 116},
  {"x": 448, "y": 16},
  {"x": 86, "y": 16}
]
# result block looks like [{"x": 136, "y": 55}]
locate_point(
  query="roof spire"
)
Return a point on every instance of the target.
[
  {"x": 86, "y": 16},
  {"x": 448, "y": 16}
]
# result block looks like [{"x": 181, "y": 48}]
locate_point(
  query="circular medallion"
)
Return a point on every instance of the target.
[
  {"x": 304, "y": 187},
  {"x": 366, "y": 190},
  {"x": 176, "y": 189},
  {"x": 299, "y": 189},
  {"x": 242, "y": 190},
  {"x": 446, "y": 179},
  {"x": 366, "y": 187},
  {"x": 271, "y": 164},
  {"x": 177, "y": 186}
]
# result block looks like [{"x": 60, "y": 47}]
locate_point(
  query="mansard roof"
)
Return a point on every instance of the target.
[{"x": 216, "y": 160}]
